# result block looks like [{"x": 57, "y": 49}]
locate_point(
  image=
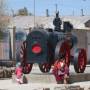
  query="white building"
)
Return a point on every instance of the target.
[{"x": 80, "y": 23}]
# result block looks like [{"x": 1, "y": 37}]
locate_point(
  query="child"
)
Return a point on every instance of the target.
[
  {"x": 61, "y": 71},
  {"x": 19, "y": 73}
]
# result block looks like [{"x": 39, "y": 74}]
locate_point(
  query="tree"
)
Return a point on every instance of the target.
[
  {"x": 4, "y": 19},
  {"x": 23, "y": 11}
]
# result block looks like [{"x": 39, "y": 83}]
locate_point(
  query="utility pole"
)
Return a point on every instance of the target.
[
  {"x": 56, "y": 6},
  {"x": 12, "y": 12},
  {"x": 47, "y": 13},
  {"x": 73, "y": 12},
  {"x": 82, "y": 10},
  {"x": 34, "y": 13},
  {"x": 82, "y": 13}
]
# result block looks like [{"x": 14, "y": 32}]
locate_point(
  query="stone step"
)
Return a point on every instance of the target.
[
  {"x": 49, "y": 78},
  {"x": 69, "y": 87},
  {"x": 41, "y": 78},
  {"x": 79, "y": 77},
  {"x": 6, "y": 72}
]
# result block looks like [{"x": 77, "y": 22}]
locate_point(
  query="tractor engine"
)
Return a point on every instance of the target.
[{"x": 37, "y": 47}]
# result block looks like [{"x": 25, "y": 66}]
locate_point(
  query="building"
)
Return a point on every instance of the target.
[{"x": 81, "y": 25}]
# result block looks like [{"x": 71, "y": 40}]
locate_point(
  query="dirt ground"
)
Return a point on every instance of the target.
[{"x": 9, "y": 85}]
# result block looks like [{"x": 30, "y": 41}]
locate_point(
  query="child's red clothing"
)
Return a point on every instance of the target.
[
  {"x": 18, "y": 72},
  {"x": 59, "y": 71},
  {"x": 19, "y": 75}
]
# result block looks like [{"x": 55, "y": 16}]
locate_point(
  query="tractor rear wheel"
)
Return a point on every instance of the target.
[
  {"x": 45, "y": 67},
  {"x": 63, "y": 51},
  {"x": 80, "y": 60}
]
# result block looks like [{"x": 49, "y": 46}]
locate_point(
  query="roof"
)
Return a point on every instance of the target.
[
  {"x": 87, "y": 24},
  {"x": 78, "y": 22}
]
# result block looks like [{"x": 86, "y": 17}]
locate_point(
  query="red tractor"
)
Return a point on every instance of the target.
[{"x": 45, "y": 46}]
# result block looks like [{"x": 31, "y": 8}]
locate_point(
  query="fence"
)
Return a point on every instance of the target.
[{"x": 4, "y": 46}]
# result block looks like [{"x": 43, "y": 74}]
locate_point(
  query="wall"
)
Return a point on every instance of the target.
[{"x": 83, "y": 40}]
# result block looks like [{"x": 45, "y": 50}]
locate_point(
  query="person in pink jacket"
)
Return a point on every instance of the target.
[{"x": 19, "y": 73}]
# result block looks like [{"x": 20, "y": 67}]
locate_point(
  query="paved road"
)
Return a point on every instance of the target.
[{"x": 8, "y": 85}]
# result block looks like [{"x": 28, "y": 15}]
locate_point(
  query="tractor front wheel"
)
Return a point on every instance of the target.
[
  {"x": 45, "y": 67},
  {"x": 27, "y": 68}
]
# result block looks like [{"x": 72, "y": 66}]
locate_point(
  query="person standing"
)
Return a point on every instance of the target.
[{"x": 19, "y": 73}]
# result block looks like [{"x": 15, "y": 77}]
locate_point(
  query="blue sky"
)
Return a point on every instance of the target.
[{"x": 66, "y": 7}]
